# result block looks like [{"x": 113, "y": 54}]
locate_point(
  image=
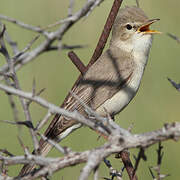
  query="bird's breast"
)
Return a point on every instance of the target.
[{"x": 122, "y": 98}]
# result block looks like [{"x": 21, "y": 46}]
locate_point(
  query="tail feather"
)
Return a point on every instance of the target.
[
  {"x": 44, "y": 150},
  {"x": 59, "y": 127},
  {"x": 45, "y": 147}
]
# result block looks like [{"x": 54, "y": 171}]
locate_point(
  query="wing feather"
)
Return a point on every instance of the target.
[{"x": 102, "y": 80}]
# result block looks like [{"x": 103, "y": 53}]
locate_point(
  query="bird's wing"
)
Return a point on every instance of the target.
[{"x": 102, "y": 80}]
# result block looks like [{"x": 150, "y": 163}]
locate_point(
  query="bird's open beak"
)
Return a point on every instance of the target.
[{"x": 145, "y": 27}]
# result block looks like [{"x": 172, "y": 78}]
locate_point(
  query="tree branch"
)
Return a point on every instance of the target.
[
  {"x": 94, "y": 157},
  {"x": 50, "y": 38}
]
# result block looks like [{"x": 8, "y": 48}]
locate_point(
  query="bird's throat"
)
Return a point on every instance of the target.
[{"x": 138, "y": 46}]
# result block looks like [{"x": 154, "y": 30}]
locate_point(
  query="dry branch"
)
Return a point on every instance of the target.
[
  {"x": 50, "y": 36},
  {"x": 118, "y": 139},
  {"x": 94, "y": 157},
  {"x": 174, "y": 84}
]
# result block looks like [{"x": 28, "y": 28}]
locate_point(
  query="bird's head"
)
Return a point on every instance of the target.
[{"x": 131, "y": 29}]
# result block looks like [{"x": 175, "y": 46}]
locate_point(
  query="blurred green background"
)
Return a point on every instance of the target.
[{"x": 156, "y": 103}]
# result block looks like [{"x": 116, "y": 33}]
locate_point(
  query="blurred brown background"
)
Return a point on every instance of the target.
[{"x": 156, "y": 103}]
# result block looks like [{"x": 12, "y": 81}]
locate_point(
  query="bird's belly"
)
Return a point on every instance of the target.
[
  {"x": 117, "y": 102},
  {"x": 122, "y": 98}
]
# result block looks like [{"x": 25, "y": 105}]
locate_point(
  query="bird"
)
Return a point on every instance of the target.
[{"x": 114, "y": 79}]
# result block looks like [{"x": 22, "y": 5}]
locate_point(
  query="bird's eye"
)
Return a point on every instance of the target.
[{"x": 128, "y": 26}]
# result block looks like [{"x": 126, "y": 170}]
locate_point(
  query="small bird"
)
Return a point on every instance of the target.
[{"x": 113, "y": 80}]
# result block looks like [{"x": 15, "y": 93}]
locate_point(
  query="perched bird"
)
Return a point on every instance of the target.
[{"x": 113, "y": 80}]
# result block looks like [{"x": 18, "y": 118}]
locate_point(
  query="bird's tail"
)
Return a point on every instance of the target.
[
  {"x": 58, "y": 127},
  {"x": 44, "y": 149}
]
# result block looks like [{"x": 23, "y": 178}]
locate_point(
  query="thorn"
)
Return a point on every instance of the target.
[
  {"x": 152, "y": 174},
  {"x": 3, "y": 31},
  {"x": 177, "y": 86},
  {"x": 41, "y": 91},
  {"x": 34, "y": 87},
  {"x": 174, "y": 37}
]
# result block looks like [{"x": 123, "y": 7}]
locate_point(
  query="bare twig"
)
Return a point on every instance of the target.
[
  {"x": 5, "y": 151},
  {"x": 12, "y": 102},
  {"x": 97, "y": 3},
  {"x": 152, "y": 174},
  {"x": 159, "y": 160},
  {"x": 23, "y": 146},
  {"x": 141, "y": 155},
  {"x": 70, "y": 8},
  {"x": 50, "y": 38},
  {"x": 54, "y": 144},
  {"x": 174, "y": 37},
  {"x": 137, "y": 3},
  {"x": 65, "y": 47},
  {"x": 119, "y": 139},
  {"x": 160, "y": 154},
  {"x": 28, "y": 124},
  {"x": 77, "y": 62},
  {"x": 10, "y": 42},
  {"x": 124, "y": 155},
  {"x": 95, "y": 156},
  {"x": 106, "y": 31},
  {"x": 43, "y": 121},
  {"x": 174, "y": 84},
  {"x": 126, "y": 140},
  {"x": 22, "y": 24},
  {"x": 34, "y": 92},
  {"x": 71, "y": 18},
  {"x": 4, "y": 51},
  {"x": 70, "y": 47},
  {"x": 28, "y": 46},
  {"x": 157, "y": 168},
  {"x": 52, "y": 108}
]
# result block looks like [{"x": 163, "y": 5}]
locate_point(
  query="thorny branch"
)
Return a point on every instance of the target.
[
  {"x": 174, "y": 84},
  {"x": 157, "y": 168},
  {"x": 94, "y": 157},
  {"x": 124, "y": 155},
  {"x": 50, "y": 36},
  {"x": 97, "y": 53},
  {"x": 141, "y": 155},
  {"x": 4, "y": 51},
  {"x": 14, "y": 77},
  {"x": 22, "y": 57},
  {"x": 118, "y": 138},
  {"x": 106, "y": 31},
  {"x": 174, "y": 37}
]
